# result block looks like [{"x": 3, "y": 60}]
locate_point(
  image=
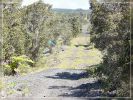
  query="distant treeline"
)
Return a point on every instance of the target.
[{"x": 59, "y": 10}]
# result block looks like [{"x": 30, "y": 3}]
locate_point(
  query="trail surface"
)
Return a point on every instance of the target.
[
  {"x": 56, "y": 83},
  {"x": 66, "y": 79}
]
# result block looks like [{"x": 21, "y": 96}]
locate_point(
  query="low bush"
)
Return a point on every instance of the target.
[
  {"x": 7, "y": 69},
  {"x": 20, "y": 64},
  {"x": 23, "y": 68}
]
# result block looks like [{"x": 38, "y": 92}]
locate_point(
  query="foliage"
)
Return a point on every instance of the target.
[
  {"x": 131, "y": 42},
  {"x": 7, "y": 69},
  {"x": 0, "y": 38},
  {"x": 20, "y": 63},
  {"x": 40, "y": 25},
  {"x": 111, "y": 34},
  {"x": 27, "y": 30},
  {"x": 41, "y": 64},
  {"x": 12, "y": 35},
  {"x": 63, "y": 26},
  {"x": 34, "y": 21},
  {"x": 23, "y": 69}
]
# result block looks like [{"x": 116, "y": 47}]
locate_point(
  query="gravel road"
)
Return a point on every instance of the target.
[{"x": 55, "y": 83}]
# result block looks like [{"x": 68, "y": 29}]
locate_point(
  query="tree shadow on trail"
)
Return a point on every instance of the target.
[
  {"x": 93, "y": 89},
  {"x": 90, "y": 89},
  {"x": 70, "y": 76},
  {"x": 85, "y": 90}
]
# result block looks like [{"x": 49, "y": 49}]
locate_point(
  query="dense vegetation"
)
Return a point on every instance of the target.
[
  {"x": 111, "y": 34},
  {"x": 0, "y": 38},
  {"x": 132, "y": 45},
  {"x": 27, "y": 30}
]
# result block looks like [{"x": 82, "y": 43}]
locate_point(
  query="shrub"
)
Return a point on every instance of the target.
[
  {"x": 17, "y": 64},
  {"x": 110, "y": 32},
  {"x": 7, "y": 69},
  {"x": 23, "y": 68}
]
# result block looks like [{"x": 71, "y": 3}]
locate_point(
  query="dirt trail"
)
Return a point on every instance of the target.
[
  {"x": 68, "y": 79},
  {"x": 56, "y": 83}
]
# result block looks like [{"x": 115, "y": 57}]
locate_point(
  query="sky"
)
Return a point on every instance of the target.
[{"x": 68, "y": 4}]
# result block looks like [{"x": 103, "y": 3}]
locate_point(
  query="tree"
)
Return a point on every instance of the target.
[
  {"x": 76, "y": 26},
  {"x": 1, "y": 38},
  {"x": 27, "y": 30},
  {"x": 111, "y": 34},
  {"x": 12, "y": 34},
  {"x": 34, "y": 22},
  {"x": 132, "y": 45}
]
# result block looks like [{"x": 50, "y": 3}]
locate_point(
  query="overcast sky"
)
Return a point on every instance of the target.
[{"x": 69, "y": 4}]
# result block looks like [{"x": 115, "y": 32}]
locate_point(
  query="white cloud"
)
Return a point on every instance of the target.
[{"x": 71, "y": 4}]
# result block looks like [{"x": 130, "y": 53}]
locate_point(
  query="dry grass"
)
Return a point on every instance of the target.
[
  {"x": 81, "y": 40},
  {"x": 79, "y": 59},
  {"x": 72, "y": 58}
]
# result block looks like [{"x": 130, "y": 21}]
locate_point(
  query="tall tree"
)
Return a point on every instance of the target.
[
  {"x": 12, "y": 34},
  {"x": 111, "y": 34},
  {"x": 34, "y": 22}
]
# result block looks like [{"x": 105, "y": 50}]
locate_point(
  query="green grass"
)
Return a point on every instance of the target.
[
  {"x": 9, "y": 87},
  {"x": 12, "y": 84},
  {"x": 75, "y": 57},
  {"x": 72, "y": 58},
  {"x": 9, "y": 92},
  {"x": 81, "y": 40},
  {"x": 39, "y": 66}
]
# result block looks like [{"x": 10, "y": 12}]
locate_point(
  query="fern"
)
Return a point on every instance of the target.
[{"x": 17, "y": 61}]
